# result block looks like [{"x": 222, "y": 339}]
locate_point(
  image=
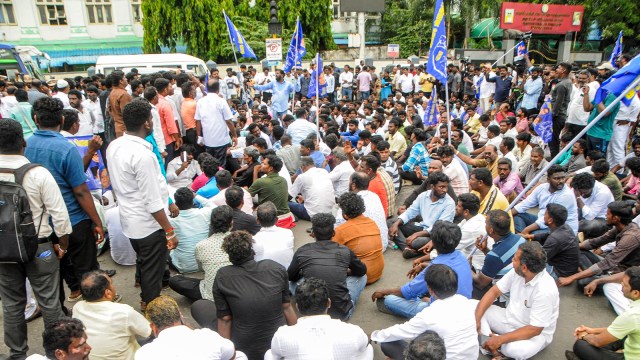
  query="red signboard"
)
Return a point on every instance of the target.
[{"x": 541, "y": 18}]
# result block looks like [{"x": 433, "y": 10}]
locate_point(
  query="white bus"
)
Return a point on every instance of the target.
[{"x": 150, "y": 63}]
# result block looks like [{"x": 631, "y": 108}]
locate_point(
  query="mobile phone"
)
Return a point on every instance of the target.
[{"x": 184, "y": 156}]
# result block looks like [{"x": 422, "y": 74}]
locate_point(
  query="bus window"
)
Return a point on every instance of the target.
[{"x": 196, "y": 69}]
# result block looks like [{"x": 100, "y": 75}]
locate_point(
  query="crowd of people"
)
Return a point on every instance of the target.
[{"x": 209, "y": 175}]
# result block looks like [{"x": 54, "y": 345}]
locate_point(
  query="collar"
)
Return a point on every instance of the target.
[
  {"x": 15, "y": 160},
  {"x": 536, "y": 279},
  {"x": 49, "y": 133},
  {"x": 138, "y": 140}
]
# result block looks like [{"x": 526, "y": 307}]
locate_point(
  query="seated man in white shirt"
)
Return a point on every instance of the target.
[
  {"x": 450, "y": 315},
  {"x": 272, "y": 242},
  {"x": 592, "y": 198},
  {"x": 312, "y": 191},
  {"x": 112, "y": 327},
  {"x": 180, "y": 173},
  {"x": 174, "y": 340},
  {"x": 224, "y": 181},
  {"x": 341, "y": 172},
  {"x": 63, "y": 339},
  {"x": 316, "y": 335},
  {"x": 454, "y": 170},
  {"x": 528, "y": 323}
]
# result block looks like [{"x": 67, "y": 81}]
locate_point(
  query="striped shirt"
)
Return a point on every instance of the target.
[{"x": 392, "y": 169}]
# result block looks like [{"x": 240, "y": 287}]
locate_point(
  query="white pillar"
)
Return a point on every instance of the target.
[{"x": 361, "y": 31}]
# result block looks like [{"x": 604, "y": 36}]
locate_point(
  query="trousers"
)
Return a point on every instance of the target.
[
  {"x": 613, "y": 292},
  {"x": 403, "y": 307},
  {"x": 186, "y": 286},
  {"x": 618, "y": 144},
  {"x": 81, "y": 257},
  {"x": 151, "y": 260},
  {"x": 586, "y": 351}
]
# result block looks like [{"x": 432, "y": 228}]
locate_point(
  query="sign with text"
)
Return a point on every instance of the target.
[
  {"x": 362, "y": 6},
  {"x": 541, "y": 18},
  {"x": 393, "y": 51},
  {"x": 274, "y": 49}
]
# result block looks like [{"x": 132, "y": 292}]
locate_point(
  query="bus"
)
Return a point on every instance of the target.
[
  {"x": 150, "y": 63},
  {"x": 16, "y": 61}
]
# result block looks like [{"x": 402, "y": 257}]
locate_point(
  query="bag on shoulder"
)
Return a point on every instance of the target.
[{"x": 18, "y": 235}]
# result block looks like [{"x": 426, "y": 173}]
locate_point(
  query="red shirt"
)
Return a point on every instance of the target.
[
  {"x": 167, "y": 120},
  {"x": 377, "y": 186}
]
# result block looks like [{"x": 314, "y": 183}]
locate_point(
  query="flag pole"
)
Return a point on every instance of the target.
[
  {"x": 233, "y": 47},
  {"x": 446, "y": 92},
  {"x": 295, "y": 59},
  {"x": 318, "y": 95},
  {"x": 577, "y": 137},
  {"x": 505, "y": 54}
]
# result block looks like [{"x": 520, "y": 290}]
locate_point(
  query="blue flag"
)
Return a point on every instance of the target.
[
  {"x": 431, "y": 113},
  {"x": 617, "y": 51},
  {"x": 521, "y": 51},
  {"x": 238, "y": 41},
  {"x": 317, "y": 77},
  {"x": 543, "y": 124},
  {"x": 296, "y": 49},
  {"x": 437, "y": 64},
  {"x": 619, "y": 81}
]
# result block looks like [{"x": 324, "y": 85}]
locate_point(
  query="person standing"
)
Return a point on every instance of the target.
[
  {"x": 281, "y": 93},
  {"x": 118, "y": 98},
  {"x": 364, "y": 83},
  {"x": 142, "y": 196},
  {"x": 346, "y": 83},
  {"x": 170, "y": 129},
  {"x": 560, "y": 98},
  {"x": 47, "y": 204},
  {"x": 214, "y": 124}
]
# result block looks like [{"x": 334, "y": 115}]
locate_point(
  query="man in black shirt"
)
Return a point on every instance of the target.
[
  {"x": 234, "y": 197},
  {"x": 560, "y": 244},
  {"x": 334, "y": 263},
  {"x": 560, "y": 98},
  {"x": 251, "y": 298}
]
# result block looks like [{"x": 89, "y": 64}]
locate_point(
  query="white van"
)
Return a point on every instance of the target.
[{"x": 150, "y": 63}]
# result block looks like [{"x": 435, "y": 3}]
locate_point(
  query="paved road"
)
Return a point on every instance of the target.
[{"x": 575, "y": 309}]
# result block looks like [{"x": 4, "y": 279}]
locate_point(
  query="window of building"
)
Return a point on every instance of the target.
[
  {"x": 52, "y": 12},
  {"x": 136, "y": 10},
  {"x": 99, "y": 11},
  {"x": 6, "y": 13},
  {"x": 336, "y": 9}
]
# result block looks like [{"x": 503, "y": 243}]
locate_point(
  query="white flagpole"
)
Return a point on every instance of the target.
[
  {"x": 295, "y": 60},
  {"x": 446, "y": 92},
  {"x": 318, "y": 94},
  {"x": 233, "y": 47},
  {"x": 505, "y": 54},
  {"x": 566, "y": 148}
]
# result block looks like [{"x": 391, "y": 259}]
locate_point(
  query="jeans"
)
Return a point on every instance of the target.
[
  {"x": 151, "y": 255},
  {"x": 593, "y": 228},
  {"x": 355, "y": 285},
  {"x": 43, "y": 274},
  {"x": 218, "y": 152},
  {"x": 594, "y": 143},
  {"x": 347, "y": 94},
  {"x": 403, "y": 307},
  {"x": 186, "y": 286},
  {"x": 299, "y": 211},
  {"x": 394, "y": 350},
  {"x": 522, "y": 220},
  {"x": 552, "y": 272},
  {"x": 406, "y": 230},
  {"x": 364, "y": 95},
  {"x": 586, "y": 351},
  {"x": 586, "y": 260}
]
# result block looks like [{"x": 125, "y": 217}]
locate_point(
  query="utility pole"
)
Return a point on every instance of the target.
[{"x": 362, "y": 20}]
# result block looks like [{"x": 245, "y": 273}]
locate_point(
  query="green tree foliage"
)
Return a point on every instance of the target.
[{"x": 200, "y": 25}]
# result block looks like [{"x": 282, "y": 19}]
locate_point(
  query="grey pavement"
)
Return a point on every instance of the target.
[{"x": 575, "y": 308}]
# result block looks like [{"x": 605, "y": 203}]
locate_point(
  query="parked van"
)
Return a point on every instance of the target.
[{"x": 148, "y": 62}]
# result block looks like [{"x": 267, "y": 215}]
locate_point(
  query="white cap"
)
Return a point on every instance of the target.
[
  {"x": 606, "y": 66},
  {"x": 61, "y": 84}
]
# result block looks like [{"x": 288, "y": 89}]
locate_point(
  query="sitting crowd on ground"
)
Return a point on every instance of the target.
[{"x": 200, "y": 187}]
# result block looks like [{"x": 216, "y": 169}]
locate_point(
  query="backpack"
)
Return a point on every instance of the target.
[{"x": 18, "y": 236}]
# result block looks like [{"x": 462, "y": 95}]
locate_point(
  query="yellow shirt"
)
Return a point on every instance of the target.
[
  {"x": 500, "y": 202},
  {"x": 474, "y": 124},
  {"x": 427, "y": 86},
  {"x": 397, "y": 143}
]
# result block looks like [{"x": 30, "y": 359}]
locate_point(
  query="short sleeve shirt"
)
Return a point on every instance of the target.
[
  {"x": 628, "y": 324},
  {"x": 498, "y": 261}
]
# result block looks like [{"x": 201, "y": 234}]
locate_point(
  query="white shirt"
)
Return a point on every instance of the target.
[
  {"x": 373, "y": 210},
  {"x": 458, "y": 177},
  {"x": 86, "y": 122},
  {"x": 512, "y": 157},
  {"x": 213, "y": 112},
  {"x": 59, "y": 95},
  {"x": 262, "y": 79},
  {"x": 94, "y": 108},
  {"x": 112, "y": 328},
  {"x": 452, "y": 318},
  {"x": 595, "y": 206},
  {"x": 471, "y": 229},
  {"x": 320, "y": 337},
  {"x": 340, "y": 176},
  {"x": 274, "y": 243},
  {"x": 121, "y": 250},
  {"x": 512, "y": 133},
  {"x": 575, "y": 112},
  {"x": 346, "y": 77},
  {"x": 219, "y": 200},
  {"x": 6, "y": 104},
  {"x": 487, "y": 89},
  {"x": 630, "y": 112},
  {"x": 406, "y": 83},
  {"x": 139, "y": 186},
  {"x": 42, "y": 191},
  {"x": 186, "y": 176},
  {"x": 523, "y": 156},
  {"x": 157, "y": 129},
  {"x": 229, "y": 86},
  {"x": 316, "y": 189},
  {"x": 535, "y": 303},
  {"x": 181, "y": 342},
  {"x": 300, "y": 129}
]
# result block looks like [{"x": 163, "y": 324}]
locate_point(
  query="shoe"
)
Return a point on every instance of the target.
[
  {"x": 309, "y": 230},
  {"x": 382, "y": 307},
  {"x": 143, "y": 306},
  {"x": 35, "y": 315},
  {"x": 136, "y": 284},
  {"x": 570, "y": 355},
  {"x": 409, "y": 253},
  {"x": 111, "y": 273},
  {"x": 74, "y": 298}
]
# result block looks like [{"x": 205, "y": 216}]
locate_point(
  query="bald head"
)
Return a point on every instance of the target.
[
  {"x": 213, "y": 86},
  {"x": 435, "y": 166}
]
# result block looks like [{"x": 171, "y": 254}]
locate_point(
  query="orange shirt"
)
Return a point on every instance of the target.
[
  {"x": 377, "y": 186},
  {"x": 362, "y": 236},
  {"x": 188, "y": 113},
  {"x": 167, "y": 120}
]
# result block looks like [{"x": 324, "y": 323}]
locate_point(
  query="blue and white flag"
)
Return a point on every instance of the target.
[
  {"x": 297, "y": 49},
  {"x": 543, "y": 124},
  {"x": 431, "y": 113},
  {"x": 619, "y": 81},
  {"x": 437, "y": 64},
  {"x": 317, "y": 80},
  {"x": 478, "y": 85},
  {"x": 521, "y": 51},
  {"x": 238, "y": 41},
  {"x": 617, "y": 51}
]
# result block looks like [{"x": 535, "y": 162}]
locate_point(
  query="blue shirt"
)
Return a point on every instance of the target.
[
  {"x": 354, "y": 137},
  {"x": 210, "y": 189},
  {"x": 502, "y": 87},
  {"x": 498, "y": 261},
  {"x": 532, "y": 89},
  {"x": 191, "y": 227},
  {"x": 541, "y": 197},
  {"x": 442, "y": 209},
  {"x": 457, "y": 262},
  {"x": 51, "y": 150},
  {"x": 281, "y": 92},
  {"x": 417, "y": 156}
]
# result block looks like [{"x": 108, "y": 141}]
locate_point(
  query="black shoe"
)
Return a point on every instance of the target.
[
  {"x": 382, "y": 307},
  {"x": 570, "y": 355},
  {"x": 309, "y": 230},
  {"x": 110, "y": 273},
  {"x": 409, "y": 253}
]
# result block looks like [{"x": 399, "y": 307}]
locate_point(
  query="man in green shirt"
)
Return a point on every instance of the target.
[
  {"x": 600, "y": 134},
  {"x": 603, "y": 343},
  {"x": 22, "y": 114},
  {"x": 600, "y": 170},
  {"x": 273, "y": 187}
]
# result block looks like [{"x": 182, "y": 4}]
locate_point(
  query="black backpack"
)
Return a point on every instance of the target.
[{"x": 18, "y": 235}]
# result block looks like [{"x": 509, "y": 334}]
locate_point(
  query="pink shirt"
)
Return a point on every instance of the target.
[
  {"x": 365, "y": 81},
  {"x": 199, "y": 182}
]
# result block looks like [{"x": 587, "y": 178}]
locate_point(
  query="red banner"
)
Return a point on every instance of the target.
[{"x": 541, "y": 18}]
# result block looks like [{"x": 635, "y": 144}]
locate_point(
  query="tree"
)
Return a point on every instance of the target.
[{"x": 315, "y": 17}]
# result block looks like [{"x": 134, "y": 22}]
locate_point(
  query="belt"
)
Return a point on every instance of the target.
[
  {"x": 43, "y": 240},
  {"x": 622, "y": 122}
]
